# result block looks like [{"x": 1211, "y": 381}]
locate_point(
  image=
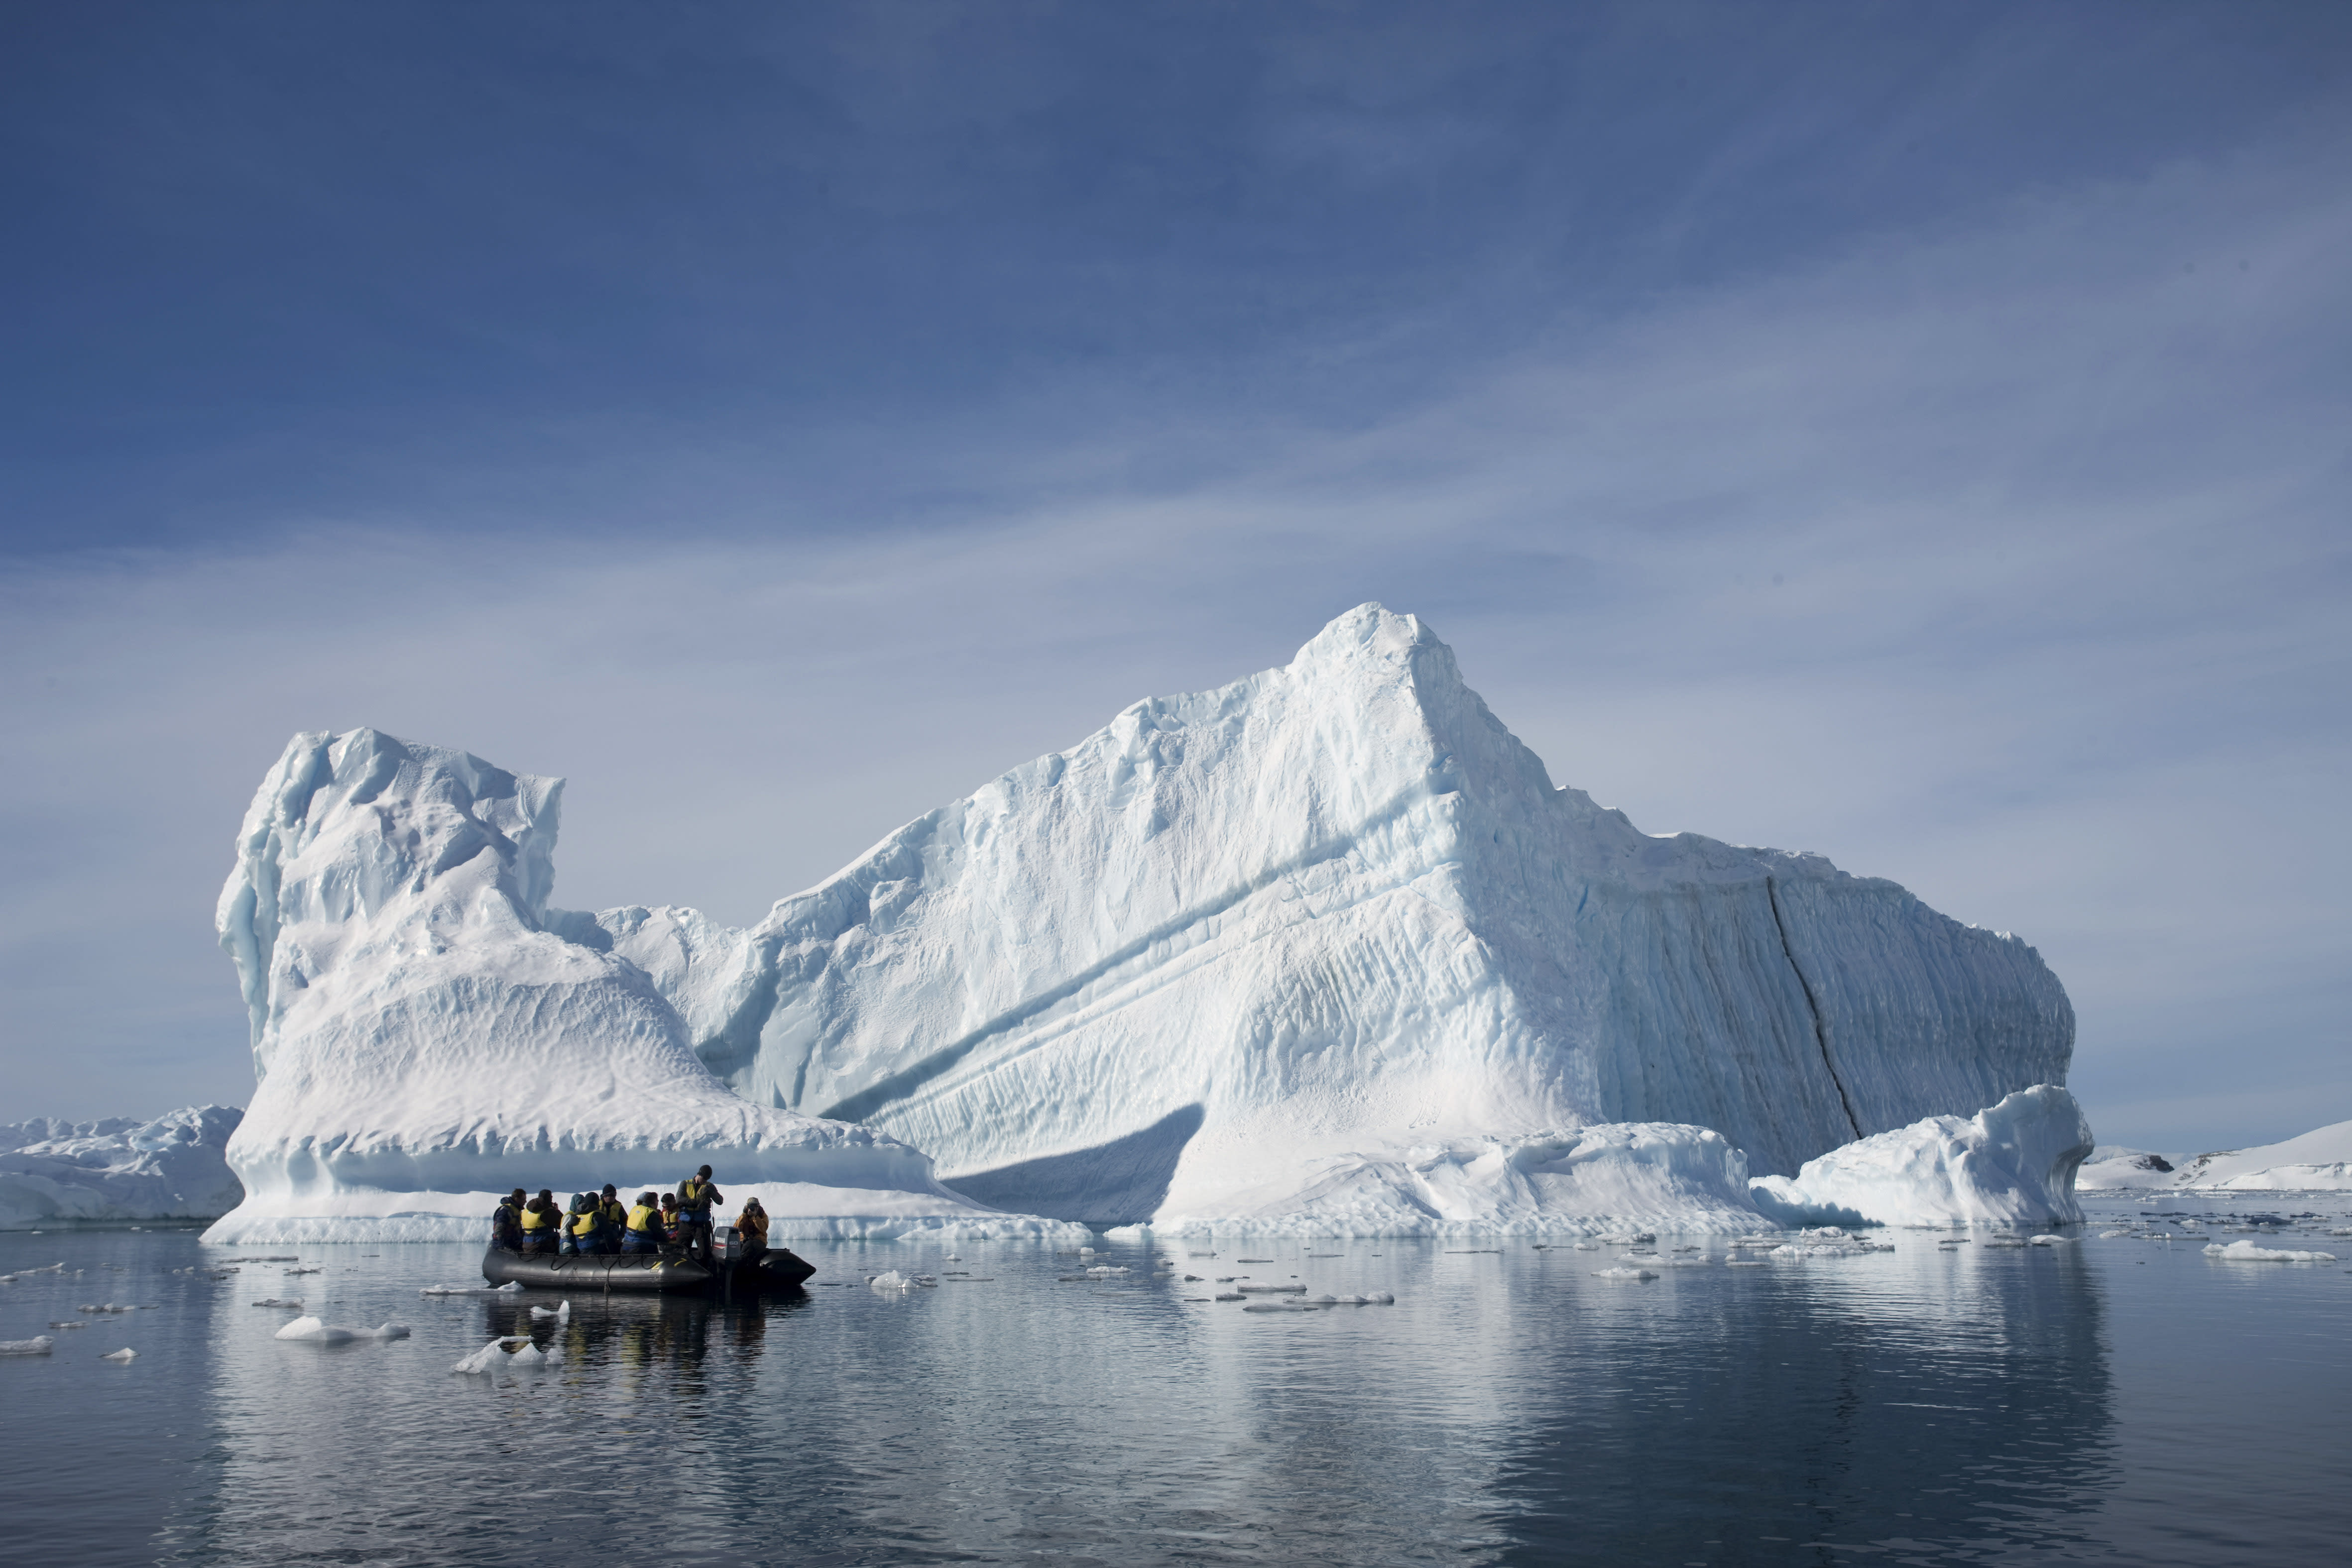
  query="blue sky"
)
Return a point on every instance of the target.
[{"x": 1913, "y": 432}]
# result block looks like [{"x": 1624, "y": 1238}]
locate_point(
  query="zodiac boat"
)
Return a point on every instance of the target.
[{"x": 777, "y": 1268}]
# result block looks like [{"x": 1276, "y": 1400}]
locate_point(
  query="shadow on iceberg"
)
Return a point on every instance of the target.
[{"x": 1121, "y": 1182}]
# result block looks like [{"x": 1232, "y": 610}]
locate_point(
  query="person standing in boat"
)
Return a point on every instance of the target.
[
  {"x": 696, "y": 1196},
  {"x": 643, "y": 1231},
  {"x": 506, "y": 1225},
  {"x": 751, "y": 1231}
]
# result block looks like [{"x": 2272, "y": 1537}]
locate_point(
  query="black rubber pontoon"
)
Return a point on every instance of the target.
[{"x": 778, "y": 1269}]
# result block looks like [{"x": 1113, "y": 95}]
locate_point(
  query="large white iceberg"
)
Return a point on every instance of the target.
[
  {"x": 424, "y": 1042},
  {"x": 1334, "y": 911},
  {"x": 1326, "y": 939},
  {"x": 2010, "y": 1165},
  {"x": 174, "y": 1167}
]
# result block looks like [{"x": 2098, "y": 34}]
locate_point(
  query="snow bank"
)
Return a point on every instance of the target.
[
  {"x": 425, "y": 1041},
  {"x": 2247, "y": 1252},
  {"x": 2012, "y": 1164},
  {"x": 2319, "y": 1161},
  {"x": 173, "y": 1167}
]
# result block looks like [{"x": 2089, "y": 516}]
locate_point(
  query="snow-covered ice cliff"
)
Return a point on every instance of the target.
[
  {"x": 423, "y": 1041},
  {"x": 1329, "y": 930},
  {"x": 2317, "y": 1161},
  {"x": 173, "y": 1167}
]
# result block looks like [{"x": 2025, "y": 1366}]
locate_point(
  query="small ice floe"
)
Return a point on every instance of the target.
[
  {"x": 1193, "y": 1280},
  {"x": 278, "y": 1301},
  {"x": 2104, "y": 1234},
  {"x": 1086, "y": 1251},
  {"x": 71, "y": 1327},
  {"x": 1629, "y": 1237},
  {"x": 108, "y": 1308},
  {"x": 1200, "y": 1254},
  {"x": 310, "y": 1330},
  {"x": 1588, "y": 1247},
  {"x": 954, "y": 1258},
  {"x": 558, "y": 1314},
  {"x": 2005, "y": 1241},
  {"x": 894, "y": 1281},
  {"x": 2247, "y": 1252},
  {"x": 125, "y": 1353},
  {"x": 511, "y": 1288},
  {"x": 40, "y": 1344},
  {"x": 1230, "y": 1296},
  {"x": 2192, "y": 1225},
  {"x": 310, "y": 1270},
  {"x": 1273, "y": 1289},
  {"x": 1622, "y": 1273},
  {"x": 2048, "y": 1239},
  {"x": 1252, "y": 1260},
  {"x": 1282, "y": 1307},
  {"x": 1822, "y": 1233},
  {"x": 1105, "y": 1270},
  {"x": 1227, "y": 1278},
  {"x": 487, "y": 1359}
]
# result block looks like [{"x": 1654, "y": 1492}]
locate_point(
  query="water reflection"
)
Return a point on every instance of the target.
[
  {"x": 1511, "y": 1407},
  {"x": 1940, "y": 1405}
]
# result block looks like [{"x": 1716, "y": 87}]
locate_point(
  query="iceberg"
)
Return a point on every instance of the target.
[
  {"x": 424, "y": 1040},
  {"x": 171, "y": 1168},
  {"x": 2012, "y": 1164},
  {"x": 1323, "y": 947}
]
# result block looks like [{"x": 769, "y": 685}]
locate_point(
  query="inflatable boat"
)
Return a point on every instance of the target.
[{"x": 778, "y": 1269}]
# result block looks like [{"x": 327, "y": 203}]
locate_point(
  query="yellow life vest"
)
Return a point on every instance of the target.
[
  {"x": 645, "y": 1219},
  {"x": 585, "y": 1224},
  {"x": 531, "y": 1221}
]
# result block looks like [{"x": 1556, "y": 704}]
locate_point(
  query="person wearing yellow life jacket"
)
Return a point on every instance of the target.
[
  {"x": 751, "y": 1231},
  {"x": 506, "y": 1225},
  {"x": 696, "y": 1196},
  {"x": 581, "y": 1222},
  {"x": 541, "y": 1222},
  {"x": 613, "y": 1220},
  {"x": 643, "y": 1231}
]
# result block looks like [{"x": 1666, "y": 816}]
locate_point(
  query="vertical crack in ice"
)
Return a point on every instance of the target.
[{"x": 1812, "y": 1004}]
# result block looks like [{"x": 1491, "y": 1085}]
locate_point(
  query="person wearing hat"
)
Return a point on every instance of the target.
[
  {"x": 751, "y": 1231},
  {"x": 696, "y": 1196},
  {"x": 613, "y": 1220},
  {"x": 644, "y": 1229},
  {"x": 543, "y": 1222},
  {"x": 580, "y": 1224},
  {"x": 506, "y": 1225}
]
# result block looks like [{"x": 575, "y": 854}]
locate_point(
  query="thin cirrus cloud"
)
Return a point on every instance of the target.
[{"x": 1997, "y": 549}]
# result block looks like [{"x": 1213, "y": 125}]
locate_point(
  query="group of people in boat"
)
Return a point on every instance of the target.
[{"x": 671, "y": 1224}]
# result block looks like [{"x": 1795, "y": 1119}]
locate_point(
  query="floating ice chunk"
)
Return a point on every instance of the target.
[
  {"x": 125, "y": 1353},
  {"x": 1283, "y": 1307},
  {"x": 1230, "y": 1296},
  {"x": 1629, "y": 1237},
  {"x": 955, "y": 1258},
  {"x": 1626, "y": 1274},
  {"x": 510, "y": 1288},
  {"x": 2247, "y": 1252},
  {"x": 892, "y": 1281},
  {"x": 1103, "y": 1270},
  {"x": 483, "y": 1359},
  {"x": 2111, "y": 1234},
  {"x": 560, "y": 1314},
  {"x": 40, "y": 1344},
  {"x": 314, "y": 1331},
  {"x": 71, "y": 1325},
  {"x": 1588, "y": 1247},
  {"x": 2050, "y": 1240},
  {"x": 275, "y": 1302},
  {"x": 1380, "y": 1299},
  {"x": 1273, "y": 1289}
]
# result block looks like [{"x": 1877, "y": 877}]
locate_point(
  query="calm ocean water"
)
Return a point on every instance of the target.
[{"x": 2108, "y": 1401}]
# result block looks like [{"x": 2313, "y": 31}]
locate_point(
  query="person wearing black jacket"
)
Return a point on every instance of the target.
[{"x": 506, "y": 1225}]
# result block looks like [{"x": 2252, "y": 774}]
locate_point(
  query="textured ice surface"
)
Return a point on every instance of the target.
[
  {"x": 424, "y": 1042},
  {"x": 1333, "y": 913},
  {"x": 1322, "y": 947},
  {"x": 173, "y": 1167},
  {"x": 2247, "y": 1252},
  {"x": 2010, "y": 1164}
]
